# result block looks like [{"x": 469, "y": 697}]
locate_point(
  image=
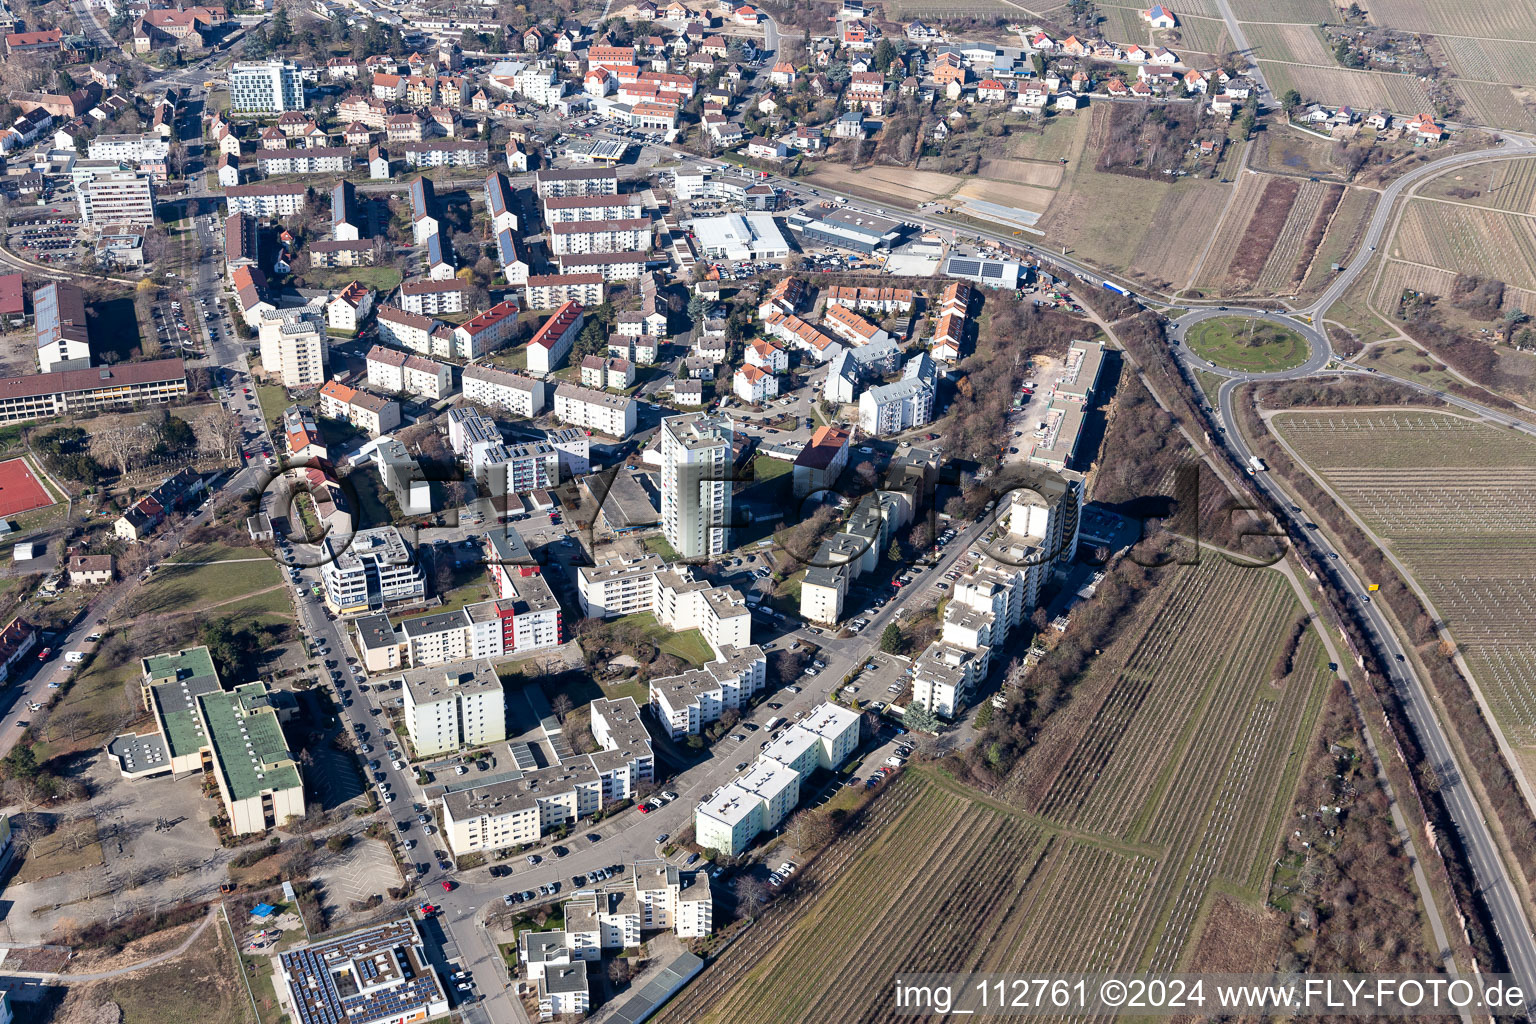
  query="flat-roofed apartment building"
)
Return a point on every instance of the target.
[
  {"x": 852, "y": 551},
  {"x": 1000, "y": 591},
  {"x": 692, "y": 701},
  {"x": 625, "y": 585},
  {"x": 516, "y": 807},
  {"x": 235, "y": 736},
  {"x": 294, "y": 347},
  {"x": 451, "y": 708},
  {"x": 379, "y": 975},
  {"x": 375, "y": 570},
  {"x": 761, "y": 798},
  {"x": 523, "y": 616},
  {"x": 1080, "y": 376}
]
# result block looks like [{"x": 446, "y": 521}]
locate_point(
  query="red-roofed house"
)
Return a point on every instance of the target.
[{"x": 992, "y": 91}]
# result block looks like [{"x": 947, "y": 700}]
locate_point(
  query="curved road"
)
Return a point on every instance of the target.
[{"x": 1502, "y": 900}]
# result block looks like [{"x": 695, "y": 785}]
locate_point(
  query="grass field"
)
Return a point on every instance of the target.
[
  {"x": 1450, "y": 497},
  {"x": 183, "y": 588},
  {"x": 1240, "y": 344},
  {"x": 273, "y": 400},
  {"x": 689, "y": 644},
  {"x": 1165, "y": 782}
]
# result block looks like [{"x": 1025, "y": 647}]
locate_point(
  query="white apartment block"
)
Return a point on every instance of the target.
[
  {"x": 426, "y": 297},
  {"x": 570, "y": 209},
  {"x": 117, "y": 197},
  {"x": 265, "y": 200},
  {"x": 550, "y": 291},
  {"x": 761, "y": 798},
  {"x": 293, "y": 345},
  {"x": 394, "y": 372},
  {"x": 690, "y": 702},
  {"x": 613, "y": 266},
  {"x": 576, "y": 181},
  {"x": 376, "y": 569},
  {"x": 552, "y": 342},
  {"x": 265, "y": 87},
  {"x": 327, "y": 160},
  {"x": 673, "y": 899},
  {"x": 908, "y": 403},
  {"x": 407, "y": 330},
  {"x": 696, "y": 461},
  {"x": 519, "y": 810},
  {"x": 578, "y": 238},
  {"x": 447, "y": 710},
  {"x": 608, "y": 414},
  {"x": 515, "y": 393},
  {"x": 999, "y": 593},
  {"x": 131, "y": 149},
  {"x": 622, "y": 586},
  {"x": 370, "y": 413},
  {"x": 852, "y": 551}
]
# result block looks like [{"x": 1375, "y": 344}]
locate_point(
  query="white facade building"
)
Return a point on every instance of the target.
[{"x": 696, "y": 461}]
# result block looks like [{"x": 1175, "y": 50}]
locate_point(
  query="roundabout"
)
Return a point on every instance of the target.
[
  {"x": 1247, "y": 344},
  {"x": 1250, "y": 344}
]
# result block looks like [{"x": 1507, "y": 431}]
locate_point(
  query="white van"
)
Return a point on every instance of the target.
[{"x": 74, "y": 657}]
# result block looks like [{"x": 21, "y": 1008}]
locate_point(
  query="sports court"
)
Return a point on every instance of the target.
[{"x": 20, "y": 490}]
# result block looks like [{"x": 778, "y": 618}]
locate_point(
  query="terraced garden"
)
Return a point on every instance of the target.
[
  {"x": 1170, "y": 778},
  {"x": 1451, "y": 498}
]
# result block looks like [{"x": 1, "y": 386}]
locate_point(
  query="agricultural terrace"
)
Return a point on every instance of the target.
[
  {"x": 1239, "y": 343},
  {"x": 1438, "y": 239},
  {"x": 1168, "y": 779},
  {"x": 1450, "y": 497}
]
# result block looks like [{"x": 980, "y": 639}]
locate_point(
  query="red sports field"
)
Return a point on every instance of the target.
[{"x": 20, "y": 490}]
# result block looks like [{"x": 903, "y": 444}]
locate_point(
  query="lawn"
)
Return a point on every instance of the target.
[
  {"x": 689, "y": 645},
  {"x": 100, "y": 695},
  {"x": 469, "y": 586},
  {"x": 175, "y": 588},
  {"x": 215, "y": 553},
  {"x": 658, "y": 544},
  {"x": 378, "y": 278},
  {"x": 1238, "y": 343},
  {"x": 274, "y": 400}
]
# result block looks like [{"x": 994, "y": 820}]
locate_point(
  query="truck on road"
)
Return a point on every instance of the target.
[{"x": 1255, "y": 465}]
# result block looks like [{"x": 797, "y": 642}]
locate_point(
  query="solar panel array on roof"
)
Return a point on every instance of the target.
[
  {"x": 522, "y": 753},
  {"x": 963, "y": 266},
  {"x": 992, "y": 270}
]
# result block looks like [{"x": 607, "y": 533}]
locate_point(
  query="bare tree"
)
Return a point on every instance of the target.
[
  {"x": 561, "y": 705},
  {"x": 224, "y": 434},
  {"x": 123, "y": 447},
  {"x": 751, "y": 895}
]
